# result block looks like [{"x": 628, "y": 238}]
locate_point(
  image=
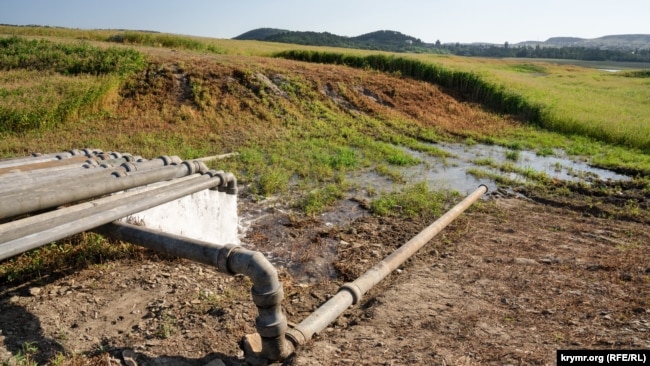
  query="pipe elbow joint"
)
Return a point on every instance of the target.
[{"x": 232, "y": 184}]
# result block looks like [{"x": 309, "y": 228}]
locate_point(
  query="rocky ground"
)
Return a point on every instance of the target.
[{"x": 509, "y": 282}]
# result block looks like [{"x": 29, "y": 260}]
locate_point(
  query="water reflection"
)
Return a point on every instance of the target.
[{"x": 452, "y": 172}]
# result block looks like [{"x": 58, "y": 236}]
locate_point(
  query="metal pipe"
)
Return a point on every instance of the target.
[
  {"x": 351, "y": 293},
  {"x": 38, "y": 158},
  {"x": 21, "y": 238},
  {"x": 36, "y": 178},
  {"x": 36, "y": 223},
  {"x": 267, "y": 291},
  {"x": 66, "y": 178},
  {"x": 22, "y": 202}
]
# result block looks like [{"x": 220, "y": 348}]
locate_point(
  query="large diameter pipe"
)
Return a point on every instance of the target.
[
  {"x": 20, "y": 202},
  {"x": 351, "y": 293},
  {"x": 37, "y": 158},
  {"x": 267, "y": 291},
  {"x": 82, "y": 220}
]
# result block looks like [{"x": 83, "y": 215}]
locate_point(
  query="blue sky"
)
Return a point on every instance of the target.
[{"x": 495, "y": 21}]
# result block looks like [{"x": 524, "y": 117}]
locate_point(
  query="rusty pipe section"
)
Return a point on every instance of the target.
[
  {"x": 351, "y": 293},
  {"x": 267, "y": 292}
]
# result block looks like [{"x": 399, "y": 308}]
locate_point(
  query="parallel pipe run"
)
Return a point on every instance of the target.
[
  {"x": 267, "y": 291},
  {"x": 37, "y": 158},
  {"x": 17, "y": 238},
  {"x": 57, "y": 172},
  {"x": 21, "y": 202},
  {"x": 351, "y": 293}
]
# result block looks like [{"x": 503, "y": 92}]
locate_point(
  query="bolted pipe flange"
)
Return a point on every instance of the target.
[
  {"x": 119, "y": 174},
  {"x": 76, "y": 152}
]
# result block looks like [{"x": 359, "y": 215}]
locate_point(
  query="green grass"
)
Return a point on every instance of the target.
[
  {"x": 566, "y": 99},
  {"x": 416, "y": 200}
]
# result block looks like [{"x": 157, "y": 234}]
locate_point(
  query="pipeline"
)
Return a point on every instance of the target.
[
  {"x": 31, "y": 232},
  {"x": 72, "y": 190},
  {"x": 267, "y": 293},
  {"x": 57, "y": 171},
  {"x": 38, "y": 158},
  {"x": 63, "y": 179},
  {"x": 351, "y": 293}
]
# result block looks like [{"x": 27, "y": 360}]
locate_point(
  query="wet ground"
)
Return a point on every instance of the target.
[
  {"x": 451, "y": 172},
  {"x": 304, "y": 247}
]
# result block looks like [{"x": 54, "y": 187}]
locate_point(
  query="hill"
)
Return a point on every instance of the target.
[
  {"x": 383, "y": 40},
  {"x": 612, "y": 42},
  {"x": 625, "y": 47}
]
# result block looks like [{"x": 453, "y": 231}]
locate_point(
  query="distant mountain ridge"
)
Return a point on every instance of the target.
[
  {"x": 385, "y": 40},
  {"x": 618, "y": 41},
  {"x": 396, "y": 41}
]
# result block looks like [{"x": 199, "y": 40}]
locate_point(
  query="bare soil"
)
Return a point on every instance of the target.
[{"x": 509, "y": 282}]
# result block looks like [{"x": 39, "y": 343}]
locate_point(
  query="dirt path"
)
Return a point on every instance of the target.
[{"x": 508, "y": 283}]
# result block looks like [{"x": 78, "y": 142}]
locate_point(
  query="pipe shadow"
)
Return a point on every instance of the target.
[{"x": 21, "y": 333}]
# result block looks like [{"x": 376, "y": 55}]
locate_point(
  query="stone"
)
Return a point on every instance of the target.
[{"x": 252, "y": 344}]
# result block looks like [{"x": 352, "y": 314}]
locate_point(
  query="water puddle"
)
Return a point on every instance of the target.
[{"x": 452, "y": 173}]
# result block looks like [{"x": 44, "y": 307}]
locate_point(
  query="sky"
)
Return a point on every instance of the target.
[{"x": 450, "y": 21}]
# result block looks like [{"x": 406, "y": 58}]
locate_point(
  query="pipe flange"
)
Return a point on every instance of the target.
[
  {"x": 92, "y": 162},
  {"x": 76, "y": 152},
  {"x": 354, "y": 290},
  {"x": 118, "y": 174}
]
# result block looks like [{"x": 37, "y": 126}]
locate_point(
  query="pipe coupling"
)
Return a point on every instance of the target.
[
  {"x": 354, "y": 290},
  {"x": 167, "y": 160},
  {"x": 217, "y": 173},
  {"x": 223, "y": 258},
  {"x": 296, "y": 337},
  {"x": 129, "y": 167},
  {"x": 268, "y": 299},
  {"x": 192, "y": 167}
]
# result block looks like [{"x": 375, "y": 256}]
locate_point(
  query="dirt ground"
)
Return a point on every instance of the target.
[{"x": 509, "y": 282}]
